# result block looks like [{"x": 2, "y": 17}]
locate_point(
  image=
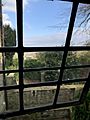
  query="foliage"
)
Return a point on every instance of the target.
[
  {"x": 54, "y": 59},
  {"x": 9, "y": 40},
  {"x": 82, "y": 112},
  {"x": 34, "y": 75},
  {"x": 84, "y": 59},
  {"x": 51, "y": 59},
  {"x": 71, "y": 60}
]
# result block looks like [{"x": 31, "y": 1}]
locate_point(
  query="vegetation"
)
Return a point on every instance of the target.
[
  {"x": 54, "y": 59},
  {"x": 32, "y": 63},
  {"x": 82, "y": 112},
  {"x": 9, "y": 40},
  {"x": 51, "y": 59}
]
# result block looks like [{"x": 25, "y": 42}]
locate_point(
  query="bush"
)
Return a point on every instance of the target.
[{"x": 82, "y": 112}]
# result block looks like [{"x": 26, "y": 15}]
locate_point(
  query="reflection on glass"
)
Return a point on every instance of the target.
[{"x": 81, "y": 29}]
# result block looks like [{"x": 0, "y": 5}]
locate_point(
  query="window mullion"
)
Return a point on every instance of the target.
[{"x": 20, "y": 48}]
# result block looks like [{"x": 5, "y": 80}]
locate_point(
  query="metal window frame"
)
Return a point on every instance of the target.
[{"x": 21, "y": 49}]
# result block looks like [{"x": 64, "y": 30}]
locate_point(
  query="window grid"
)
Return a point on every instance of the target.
[{"x": 20, "y": 50}]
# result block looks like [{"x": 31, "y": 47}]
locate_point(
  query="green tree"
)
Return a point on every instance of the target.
[
  {"x": 32, "y": 75},
  {"x": 71, "y": 60},
  {"x": 9, "y": 40},
  {"x": 51, "y": 59}
]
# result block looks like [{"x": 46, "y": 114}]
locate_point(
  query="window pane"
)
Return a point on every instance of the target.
[
  {"x": 2, "y": 102},
  {"x": 70, "y": 92},
  {"x": 1, "y": 80},
  {"x": 46, "y": 23},
  {"x": 41, "y": 61},
  {"x": 11, "y": 61},
  {"x": 81, "y": 31},
  {"x": 78, "y": 58},
  {"x": 39, "y": 96},
  {"x": 76, "y": 73},
  {"x": 9, "y": 22},
  {"x": 13, "y": 99}
]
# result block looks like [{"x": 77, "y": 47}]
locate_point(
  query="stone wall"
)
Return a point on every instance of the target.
[
  {"x": 58, "y": 114},
  {"x": 34, "y": 97}
]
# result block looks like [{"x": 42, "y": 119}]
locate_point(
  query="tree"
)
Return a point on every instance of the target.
[
  {"x": 84, "y": 59},
  {"x": 51, "y": 59},
  {"x": 32, "y": 75},
  {"x": 9, "y": 40},
  {"x": 71, "y": 60},
  {"x": 84, "y": 18},
  {"x": 84, "y": 11}
]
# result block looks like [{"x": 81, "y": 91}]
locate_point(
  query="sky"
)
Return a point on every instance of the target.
[{"x": 45, "y": 22}]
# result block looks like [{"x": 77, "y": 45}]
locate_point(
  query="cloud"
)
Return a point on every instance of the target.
[
  {"x": 6, "y": 20},
  {"x": 57, "y": 39},
  {"x": 10, "y": 5},
  {"x": 79, "y": 38},
  {"x": 25, "y": 2}
]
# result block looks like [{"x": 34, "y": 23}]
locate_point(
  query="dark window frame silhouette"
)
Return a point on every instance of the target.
[{"x": 20, "y": 49}]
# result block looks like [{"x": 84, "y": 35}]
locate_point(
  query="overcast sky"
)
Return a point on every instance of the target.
[{"x": 45, "y": 22}]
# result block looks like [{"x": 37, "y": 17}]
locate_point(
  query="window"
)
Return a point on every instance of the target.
[{"x": 20, "y": 50}]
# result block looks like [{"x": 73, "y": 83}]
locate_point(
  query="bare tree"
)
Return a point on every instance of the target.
[
  {"x": 84, "y": 13},
  {"x": 84, "y": 10}
]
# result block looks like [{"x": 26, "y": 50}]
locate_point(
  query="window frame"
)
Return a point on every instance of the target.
[{"x": 20, "y": 49}]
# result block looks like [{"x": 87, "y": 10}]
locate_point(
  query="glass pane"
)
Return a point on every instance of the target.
[
  {"x": 42, "y": 59},
  {"x": 78, "y": 58},
  {"x": 9, "y": 22},
  {"x": 70, "y": 92},
  {"x": 81, "y": 33},
  {"x": 43, "y": 76},
  {"x": 46, "y": 25},
  {"x": 39, "y": 96},
  {"x": 11, "y": 61},
  {"x": 76, "y": 73},
  {"x": 32, "y": 77},
  {"x": 1, "y": 80},
  {"x": 2, "y": 102},
  {"x": 9, "y": 79},
  {"x": 13, "y": 100},
  {"x": 12, "y": 79}
]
